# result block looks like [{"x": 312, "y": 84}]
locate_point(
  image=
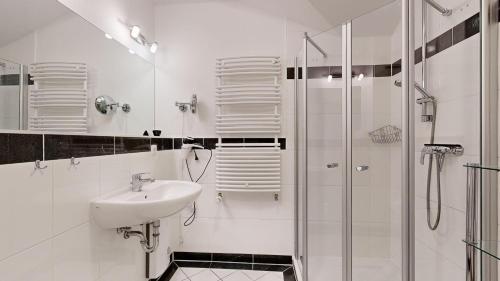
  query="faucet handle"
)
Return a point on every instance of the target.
[{"x": 138, "y": 176}]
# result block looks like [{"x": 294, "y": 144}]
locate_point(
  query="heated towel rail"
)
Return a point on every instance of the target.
[{"x": 248, "y": 99}]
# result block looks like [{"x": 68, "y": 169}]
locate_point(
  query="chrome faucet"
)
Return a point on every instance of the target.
[{"x": 138, "y": 181}]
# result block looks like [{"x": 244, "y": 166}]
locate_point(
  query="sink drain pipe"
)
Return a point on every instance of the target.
[{"x": 147, "y": 245}]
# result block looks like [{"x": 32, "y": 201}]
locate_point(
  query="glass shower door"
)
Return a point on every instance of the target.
[
  {"x": 320, "y": 156},
  {"x": 376, "y": 145}
]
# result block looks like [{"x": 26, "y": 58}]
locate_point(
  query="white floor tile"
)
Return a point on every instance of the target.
[
  {"x": 222, "y": 273},
  {"x": 179, "y": 276},
  {"x": 272, "y": 276},
  {"x": 205, "y": 275},
  {"x": 254, "y": 274},
  {"x": 237, "y": 276},
  {"x": 190, "y": 271}
]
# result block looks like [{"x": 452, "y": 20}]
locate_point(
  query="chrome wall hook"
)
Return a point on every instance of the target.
[
  {"x": 38, "y": 165},
  {"x": 219, "y": 197},
  {"x": 74, "y": 162}
]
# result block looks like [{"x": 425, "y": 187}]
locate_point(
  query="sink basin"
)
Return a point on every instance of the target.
[{"x": 156, "y": 200}]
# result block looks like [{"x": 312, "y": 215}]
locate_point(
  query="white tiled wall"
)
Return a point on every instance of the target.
[
  {"x": 197, "y": 33},
  {"x": 453, "y": 78},
  {"x": 48, "y": 234}
]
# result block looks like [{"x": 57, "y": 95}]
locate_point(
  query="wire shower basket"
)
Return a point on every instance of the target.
[{"x": 386, "y": 134}]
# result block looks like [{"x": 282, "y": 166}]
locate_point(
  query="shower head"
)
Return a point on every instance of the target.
[{"x": 419, "y": 88}]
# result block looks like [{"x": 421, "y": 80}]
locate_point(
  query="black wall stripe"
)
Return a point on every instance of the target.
[{"x": 19, "y": 148}]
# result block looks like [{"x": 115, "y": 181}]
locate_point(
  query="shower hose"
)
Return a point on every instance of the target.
[{"x": 439, "y": 163}]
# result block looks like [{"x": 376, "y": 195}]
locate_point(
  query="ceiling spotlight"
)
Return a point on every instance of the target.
[
  {"x": 131, "y": 51},
  {"x": 135, "y": 31},
  {"x": 108, "y": 36},
  {"x": 330, "y": 78},
  {"x": 154, "y": 47},
  {"x": 361, "y": 76}
]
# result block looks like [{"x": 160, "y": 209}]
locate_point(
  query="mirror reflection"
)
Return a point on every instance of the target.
[{"x": 59, "y": 73}]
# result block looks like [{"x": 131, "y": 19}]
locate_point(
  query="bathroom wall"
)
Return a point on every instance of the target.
[
  {"x": 453, "y": 78},
  {"x": 50, "y": 236},
  {"x": 193, "y": 35}
]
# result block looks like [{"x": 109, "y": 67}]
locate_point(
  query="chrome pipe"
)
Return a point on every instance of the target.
[
  {"x": 442, "y": 10},
  {"x": 423, "y": 44},
  {"x": 309, "y": 39}
]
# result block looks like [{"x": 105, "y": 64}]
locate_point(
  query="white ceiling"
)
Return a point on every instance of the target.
[
  {"x": 300, "y": 11},
  {"x": 324, "y": 14},
  {"x": 380, "y": 22},
  {"x": 20, "y": 17},
  {"x": 340, "y": 11}
]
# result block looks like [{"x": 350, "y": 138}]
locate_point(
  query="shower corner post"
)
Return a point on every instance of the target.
[
  {"x": 304, "y": 157},
  {"x": 489, "y": 132},
  {"x": 347, "y": 149},
  {"x": 408, "y": 142}
]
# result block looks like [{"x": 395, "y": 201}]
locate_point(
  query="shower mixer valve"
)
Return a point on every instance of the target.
[{"x": 440, "y": 151}]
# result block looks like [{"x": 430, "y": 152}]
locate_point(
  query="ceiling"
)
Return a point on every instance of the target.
[
  {"x": 300, "y": 11},
  {"x": 322, "y": 15},
  {"x": 24, "y": 16},
  {"x": 339, "y": 11}
]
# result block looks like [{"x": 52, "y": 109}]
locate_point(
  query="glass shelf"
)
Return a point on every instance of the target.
[
  {"x": 491, "y": 168},
  {"x": 488, "y": 247}
]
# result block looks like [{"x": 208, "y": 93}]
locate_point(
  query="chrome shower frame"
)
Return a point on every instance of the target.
[{"x": 488, "y": 219}]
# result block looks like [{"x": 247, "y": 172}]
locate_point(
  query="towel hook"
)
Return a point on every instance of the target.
[
  {"x": 220, "y": 196},
  {"x": 74, "y": 162},
  {"x": 38, "y": 165}
]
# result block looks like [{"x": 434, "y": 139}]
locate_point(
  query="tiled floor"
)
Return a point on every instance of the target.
[{"x": 215, "y": 274}]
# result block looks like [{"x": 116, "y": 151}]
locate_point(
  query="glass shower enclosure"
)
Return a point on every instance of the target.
[{"x": 363, "y": 193}]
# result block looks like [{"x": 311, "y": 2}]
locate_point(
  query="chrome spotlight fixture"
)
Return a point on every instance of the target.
[
  {"x": 183, "y": 106},
  {"x": 135, "y": 33},
  {"x": 107, "y": 105}
]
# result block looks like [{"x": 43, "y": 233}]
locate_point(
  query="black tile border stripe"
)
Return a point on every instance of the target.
[
  {"x": 276, "y": 263},
  {"x": 447, "y": 39},
  {"x": 29, "y": 147},
  {"x": 233, "y": 257}
]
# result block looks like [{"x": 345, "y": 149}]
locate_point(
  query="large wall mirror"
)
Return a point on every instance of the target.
[{"x": 54, "y": 65}]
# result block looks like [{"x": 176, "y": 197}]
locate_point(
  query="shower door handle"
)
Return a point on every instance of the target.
[
  {"x": 362, "y": 168},
  {"x": 332, "y": 165}
]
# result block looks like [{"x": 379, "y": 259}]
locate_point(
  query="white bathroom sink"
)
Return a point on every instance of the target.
[{"x": 156, "y": 200}]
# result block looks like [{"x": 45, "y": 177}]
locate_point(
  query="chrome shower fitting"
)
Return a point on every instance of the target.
[
  {"x": 442, "y": 10},
  {"x": 183, "y": 106},
  {"x": 439, "y": 151},
  {"x": 424, "y": 102}
]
